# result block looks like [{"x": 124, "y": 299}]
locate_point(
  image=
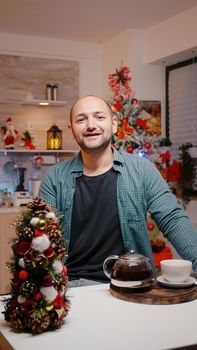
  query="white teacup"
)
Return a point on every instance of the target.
[{"x": 176, "y": 270}]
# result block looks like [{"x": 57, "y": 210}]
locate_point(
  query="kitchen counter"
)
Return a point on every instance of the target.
[{"x": 5, "y": 210}]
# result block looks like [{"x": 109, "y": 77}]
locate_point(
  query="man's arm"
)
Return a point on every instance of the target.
[{"x": 171, "y": 219}]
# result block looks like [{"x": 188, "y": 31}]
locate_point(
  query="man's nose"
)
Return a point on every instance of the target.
[{"x": 91, "y": 123}]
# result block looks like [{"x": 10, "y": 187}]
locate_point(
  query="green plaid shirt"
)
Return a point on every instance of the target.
[{"x": 140, "y": 189}]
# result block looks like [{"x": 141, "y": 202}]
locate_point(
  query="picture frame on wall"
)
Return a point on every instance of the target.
[{"x": 151, "y": 110}]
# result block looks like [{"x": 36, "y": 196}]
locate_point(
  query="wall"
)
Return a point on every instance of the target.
[
  {"x": 170, "y": 42},
  {"x": 148, "y": 81},
  {"x": 179, "y": 34},
  {"x": 88, "y": 55}
]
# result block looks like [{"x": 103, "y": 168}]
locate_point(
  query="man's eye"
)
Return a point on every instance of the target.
[
  {"x": 80, "y": 120},
  {"x": 100, "y": 117}
]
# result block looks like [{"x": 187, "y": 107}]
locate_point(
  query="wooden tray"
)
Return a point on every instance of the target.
[{"x": 156, "y": 295}]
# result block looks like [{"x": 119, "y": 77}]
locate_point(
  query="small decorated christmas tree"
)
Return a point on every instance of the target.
[
  {"x": 39, "y": 280},
  {"x": 28, "y": 138}
]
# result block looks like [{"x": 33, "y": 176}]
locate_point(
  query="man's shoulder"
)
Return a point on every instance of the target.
[
  {"x": 132, "y": 158},
  {"x": 133, "y": 164},
  {"x": 64, "y": 166}
]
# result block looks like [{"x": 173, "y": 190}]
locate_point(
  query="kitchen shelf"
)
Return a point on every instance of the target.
[
  {"x": 63, "y": 151},
  {"x": 44, "y": 103}
]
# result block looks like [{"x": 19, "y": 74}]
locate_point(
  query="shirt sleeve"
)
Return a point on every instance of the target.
[
  {"x": 48, "y": 188},
  {"x": 170, "y": 218}
]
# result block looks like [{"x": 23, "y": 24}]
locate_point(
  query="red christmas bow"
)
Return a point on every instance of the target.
[{"x": 121, "y": 77}]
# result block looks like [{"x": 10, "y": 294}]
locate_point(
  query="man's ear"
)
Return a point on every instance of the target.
[
  {"x": 69, "y": 127},
  {"x": 114, "y": 124}
]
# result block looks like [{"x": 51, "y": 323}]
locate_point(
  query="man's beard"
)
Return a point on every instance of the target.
[{"x": 96, "y": 148}]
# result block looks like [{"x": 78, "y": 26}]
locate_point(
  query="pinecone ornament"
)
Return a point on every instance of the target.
[{"x": 39, "y": 321}]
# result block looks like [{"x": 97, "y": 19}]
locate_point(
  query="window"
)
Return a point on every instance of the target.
[{"x": 181, "y": 106}]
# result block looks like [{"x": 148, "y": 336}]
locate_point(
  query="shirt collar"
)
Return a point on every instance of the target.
[
  {"x": 117, "y": 162},
  {"x": 78, "y": 164}
]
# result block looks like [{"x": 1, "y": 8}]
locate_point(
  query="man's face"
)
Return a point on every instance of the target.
[{"x": 92, "y": 124}]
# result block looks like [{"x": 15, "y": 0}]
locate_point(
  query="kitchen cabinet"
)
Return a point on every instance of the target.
[{"x": 7, "y": 231}]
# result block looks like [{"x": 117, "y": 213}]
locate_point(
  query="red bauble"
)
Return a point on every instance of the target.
[
  {"x": 23, "y": 275},
  {"x": 38, "y": 296},
  {"x": 129, "y": 149},
  {"x": 124, "y": 121},
  {"x": 150, "y": 226},
  {"x": 147, "y": 145}
]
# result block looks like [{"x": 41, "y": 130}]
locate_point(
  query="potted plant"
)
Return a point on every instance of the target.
[{"x": 187, "y": 173}]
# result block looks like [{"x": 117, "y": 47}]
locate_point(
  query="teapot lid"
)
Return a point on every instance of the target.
[{"x": 132, "y": 256}]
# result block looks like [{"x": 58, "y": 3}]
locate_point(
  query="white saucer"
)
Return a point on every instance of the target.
[{"x": 188, "y": 283}]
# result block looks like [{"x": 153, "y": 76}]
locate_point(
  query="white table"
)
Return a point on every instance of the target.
[{"x": 98, "y": 321}]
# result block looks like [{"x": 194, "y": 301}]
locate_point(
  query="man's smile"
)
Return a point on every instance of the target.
[{"x": 92, "y": 134}]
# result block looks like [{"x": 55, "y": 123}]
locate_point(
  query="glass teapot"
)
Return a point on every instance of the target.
[{"x": 130, "y": 270}]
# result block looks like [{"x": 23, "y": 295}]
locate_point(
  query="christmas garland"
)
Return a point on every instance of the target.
[{"x": 39, "y": 280}]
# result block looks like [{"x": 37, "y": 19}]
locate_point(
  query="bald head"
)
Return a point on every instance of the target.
[{"x": 88, "y": 100}]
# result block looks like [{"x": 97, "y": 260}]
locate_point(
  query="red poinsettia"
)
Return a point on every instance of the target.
[
  {"x": 142, "y": 123},
  {"x": 117, "y": 106},
  {"x": 120, "y": 133},
  {"x": 165, "y": 156},
  {"x": 174, "y": 171}
]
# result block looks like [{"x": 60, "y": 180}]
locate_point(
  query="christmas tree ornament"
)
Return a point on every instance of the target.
[
  {"x": 23, "y": 275},
  {"x": 41, "y": 224},
  {"x": 40, "y": 243},
  {"x": 39, "y": 282},
  {"x": 34, "y": 221},
  {"x": 150, "y": 226},
  {"x": 21, "y": 263}
]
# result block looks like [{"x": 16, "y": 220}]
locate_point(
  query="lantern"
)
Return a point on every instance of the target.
[{"x": 54, "y": 138}]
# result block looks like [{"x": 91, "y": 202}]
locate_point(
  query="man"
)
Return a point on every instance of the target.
[{"x": 104, "y": 195}]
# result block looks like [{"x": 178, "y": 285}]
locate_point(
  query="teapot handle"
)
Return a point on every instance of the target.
[{"x": 106, "y": 261}]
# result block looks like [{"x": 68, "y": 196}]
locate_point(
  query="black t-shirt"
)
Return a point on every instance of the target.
[{"x": 96, "y": 232}]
